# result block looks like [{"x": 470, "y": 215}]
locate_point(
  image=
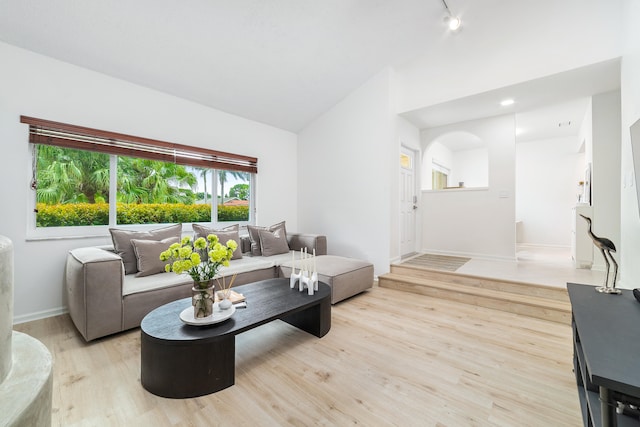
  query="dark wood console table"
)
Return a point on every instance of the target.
[
  {"x": 606, "y": 335},
  {"x": 179, "y": 361}
]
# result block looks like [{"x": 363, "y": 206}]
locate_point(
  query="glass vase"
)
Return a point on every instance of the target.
[{"x": 202, "y": 299}]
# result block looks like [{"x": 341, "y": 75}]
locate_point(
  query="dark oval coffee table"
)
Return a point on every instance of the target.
[{"x": 179, "y": 360}]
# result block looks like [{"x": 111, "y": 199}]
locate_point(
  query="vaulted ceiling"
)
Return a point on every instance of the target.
[{"x": 279, "y": 62}]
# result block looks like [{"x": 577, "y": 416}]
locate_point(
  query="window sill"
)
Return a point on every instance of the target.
[{"x": 102, "y": 231}]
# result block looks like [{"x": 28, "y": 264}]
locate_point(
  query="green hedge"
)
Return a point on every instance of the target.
[
  {"x": 75, "y": 214},
  {"x": 233, "y": 213},
  {"x": 64, "y": 215}
]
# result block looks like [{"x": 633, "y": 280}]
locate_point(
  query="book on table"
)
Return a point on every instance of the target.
[{"x": 234, "y": 297}]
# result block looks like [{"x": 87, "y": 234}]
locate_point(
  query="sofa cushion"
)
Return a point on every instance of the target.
[
  {"x": 273, "y": 242},
  {"x": 245, "y": 264},
  {"x": 123, "y": 247},
  {"x": 254, "y": 235},
  {"x": 278, "y": 260},
  {"x": 133, "y": 284},
  {"x": 224, "y": 235},
  {"x": 148, "y": 255}
]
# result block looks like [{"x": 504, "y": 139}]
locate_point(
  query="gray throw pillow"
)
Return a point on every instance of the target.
[
  {"x": 254, "y": 235},
  {"x": 123, "y": 247},
  {"x": 148, "y": 255},
  {"x": 273, "y": 242},
  {"x": 228, "y": 233}
]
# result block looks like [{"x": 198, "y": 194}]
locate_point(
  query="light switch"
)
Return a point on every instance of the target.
[{"x": 503, "y": 194}]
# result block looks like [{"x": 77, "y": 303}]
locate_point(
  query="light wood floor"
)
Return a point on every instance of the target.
[
  {"x": 390, "y": 358},
  {"x": 536, "y": 264}
]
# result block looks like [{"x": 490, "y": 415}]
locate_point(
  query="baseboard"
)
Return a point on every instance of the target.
[
  {"x": 39, "y": 315},
  {"x": 395, "y": 260},
  {"x": 544, "y": 246}
]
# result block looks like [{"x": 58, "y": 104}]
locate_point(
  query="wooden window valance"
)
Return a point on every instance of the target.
[{"x": 71, "y": 136}]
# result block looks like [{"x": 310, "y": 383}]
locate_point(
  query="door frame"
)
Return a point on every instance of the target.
[{"x": 415, "y": 154}]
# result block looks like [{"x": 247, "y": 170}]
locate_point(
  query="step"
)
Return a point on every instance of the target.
[
  {"x": 532, "y": 306},
  {"x": 516, "y": 287}
]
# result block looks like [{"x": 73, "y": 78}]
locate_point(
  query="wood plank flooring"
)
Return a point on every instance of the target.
[{"x": 391, "y": 358}]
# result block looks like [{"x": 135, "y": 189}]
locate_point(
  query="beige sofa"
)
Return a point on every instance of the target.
[{"x": 103, "y": 300}]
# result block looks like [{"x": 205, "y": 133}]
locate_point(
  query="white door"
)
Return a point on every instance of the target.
[{"x": 408, "y": 202}]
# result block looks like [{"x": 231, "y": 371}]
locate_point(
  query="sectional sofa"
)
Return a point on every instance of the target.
[{"x": 106, "y": 294}]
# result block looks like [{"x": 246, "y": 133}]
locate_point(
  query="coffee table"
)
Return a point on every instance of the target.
[{"x": 180, "y": 360}]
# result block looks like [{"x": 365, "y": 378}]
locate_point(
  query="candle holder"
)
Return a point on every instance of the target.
[
  {"x": 309, "y": 282},
  {"x": 305, "y": 279}
]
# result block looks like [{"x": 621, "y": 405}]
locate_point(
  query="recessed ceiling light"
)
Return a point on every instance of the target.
[
  {"x": 507, "y": 102},
  {"x": 563, "y": 124}
]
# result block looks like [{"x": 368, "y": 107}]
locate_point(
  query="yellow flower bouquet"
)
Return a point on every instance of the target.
[{"x": 200, "y": 259}]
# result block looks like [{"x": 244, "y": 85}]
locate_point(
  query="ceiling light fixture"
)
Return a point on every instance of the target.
[
  {"x": 507, "y": 102},
  {"x": 454, "y": 22}
]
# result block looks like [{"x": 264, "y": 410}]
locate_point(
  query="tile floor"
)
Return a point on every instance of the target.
[{"x": 540, "y": 265}]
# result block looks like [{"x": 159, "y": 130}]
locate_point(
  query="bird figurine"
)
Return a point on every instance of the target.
[{"x": 606, "y": 246}]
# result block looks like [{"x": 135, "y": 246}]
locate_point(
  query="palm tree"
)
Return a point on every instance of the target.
[
  {"x": 153, "y": 181},
  {"x": 66, "y": 175},
  {"x": 203, "y": 172},
  {"x": 69, "y": 176}
]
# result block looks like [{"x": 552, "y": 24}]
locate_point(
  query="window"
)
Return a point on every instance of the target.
[
  {"x": 71, "y": 187},
  {"x": 233, "y": 195},
  {"x": 82, "y": 180},
  {"x": 405, "y": 161},
  {"x": 439, "y": 176}
]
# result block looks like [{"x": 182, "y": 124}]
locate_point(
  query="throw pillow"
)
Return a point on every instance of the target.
[
  {"x": 228, "y": 233},
  {"x": 148, "y": 255},
  {"x": 273, "y": 242},
  {"x": 254, "y": 235},
  {"x": 123, "y": 247}
]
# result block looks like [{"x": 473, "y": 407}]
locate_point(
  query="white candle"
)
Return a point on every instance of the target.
[{"x": 314, "y": 260}]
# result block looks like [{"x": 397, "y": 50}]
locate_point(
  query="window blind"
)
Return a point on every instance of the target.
[{"x": 48, "y": 132}]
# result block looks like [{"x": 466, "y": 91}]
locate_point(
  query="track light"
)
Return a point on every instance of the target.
[{"x": 453, "y": 22}]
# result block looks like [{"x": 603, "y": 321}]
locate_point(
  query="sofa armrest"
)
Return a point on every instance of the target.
[
  {"x": 93, "y": 281},
  {"x": 298, "y": 241}
]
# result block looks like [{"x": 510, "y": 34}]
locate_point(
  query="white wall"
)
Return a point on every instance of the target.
[
  {"x": 470, "y": 167},
  {"x": 585, "y": 141},
  {"x": 38, "y": 86},
  {"x": 408, "y": 134},
  {"x": 605, "y": 173},
  {"x": 346, "y": 159},
  {"x": 469, "y": 222},
  {"x": 547, "y": 176},
  {"x": 540, "y": 42},
  {"x": 629, "y": 251}
]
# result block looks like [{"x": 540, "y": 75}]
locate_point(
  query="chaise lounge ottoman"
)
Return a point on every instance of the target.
[{"x": 345, "y": 276}]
